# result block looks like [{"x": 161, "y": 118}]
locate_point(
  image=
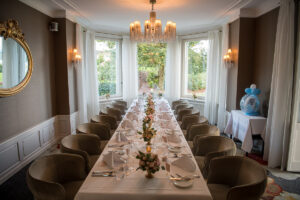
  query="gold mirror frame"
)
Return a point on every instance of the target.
[{"x": 11, "y": 29}]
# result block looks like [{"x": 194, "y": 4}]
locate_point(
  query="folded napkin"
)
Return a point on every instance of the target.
[
  {"x": 112, "y": 159},
  {"x": 174, "y": 138},
  {"x": 165, "y": 116},
  {"x": 132, "y": 116},
  {"x": 120, "y": 137},
  {"x": 127, "y": 124},
  {"x": 185, "y": 163},
  {"x": 167, "y": 125}
]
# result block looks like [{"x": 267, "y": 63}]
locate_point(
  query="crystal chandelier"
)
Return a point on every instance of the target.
[{"x": 152, "y": 29}]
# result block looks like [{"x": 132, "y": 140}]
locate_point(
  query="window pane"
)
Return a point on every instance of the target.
[
  {"x": 196, "y": 67},
  {"x": 107, "y": 66},
  {"x": 151, "y": 66}
]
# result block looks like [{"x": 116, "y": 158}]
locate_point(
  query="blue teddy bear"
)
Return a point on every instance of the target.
[{"x": 250, "y": 103}]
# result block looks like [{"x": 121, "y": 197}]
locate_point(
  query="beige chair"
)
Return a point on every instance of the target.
[
  {"x": 85, "y": 145},
  {"x": 187, "y": 120},
  {"x": 209, "y": 147},
  {"x": 96, "y": 119},
  {"x": 236, "y": 178},
  {"x": 56, "y": 176},
  {"x": 183, "y": 112},
  {"x": 121, "y": 102},
  {"x": 201, "y": 129},
  {"x": 110, "y": 120},
  {"x": 116, "y": 113},
  {"x": 120, "y": 107},
  {"x": 98, "y": 129},
  {"x": 175, "y": 103}
]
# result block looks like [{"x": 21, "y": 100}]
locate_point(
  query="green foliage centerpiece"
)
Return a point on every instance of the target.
[
  {"x": 148, "y": 132},
  {"x": 148, "y": 162}
]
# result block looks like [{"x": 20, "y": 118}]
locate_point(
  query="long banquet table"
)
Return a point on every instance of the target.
[{"x": 135, "y": 186}]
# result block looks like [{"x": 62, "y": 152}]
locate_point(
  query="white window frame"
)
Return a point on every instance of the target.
[
  {"x": 119, "y": 80},
  {"x": 184, "y": 69}
]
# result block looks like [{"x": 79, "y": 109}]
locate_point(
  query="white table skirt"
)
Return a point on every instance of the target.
[
  {"x": 135, "y": 186},
  {"x": 242, "y": 127}
]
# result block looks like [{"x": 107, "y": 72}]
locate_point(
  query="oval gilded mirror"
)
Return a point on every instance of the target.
[{"x": 15, "y": 59}]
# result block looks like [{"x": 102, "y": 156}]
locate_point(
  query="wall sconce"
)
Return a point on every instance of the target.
[
  {"x": 228, "y": 57},
  {"x": 76, "y": 56}
]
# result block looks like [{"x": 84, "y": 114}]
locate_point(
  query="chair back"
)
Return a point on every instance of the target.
[
  {"x": 184, "y": 112},
  {"x": 208, "y": 144},
  {"x": 175, "y": 103},
  {"x": 46, "y": 174},
  {"x": 187, "y": 120},
  {"x": 247, "y": 178},
  {"x": 180, "y": 106},
  {"x": 124, "y": 103},
  {"x": 95, "y": 128},
  {"x": 197, "y": 129},
  {"x": 110, "y": 120},
  {"x": 116, "y": 113},
  {"x": 120, "y": 107}
]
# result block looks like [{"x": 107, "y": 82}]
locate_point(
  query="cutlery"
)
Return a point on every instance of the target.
[{"x": 103, "y": 174}]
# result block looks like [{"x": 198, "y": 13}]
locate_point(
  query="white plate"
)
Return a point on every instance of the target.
[
  {"x": 174, "y": 150},
  {"x": 184, "y": 184}
]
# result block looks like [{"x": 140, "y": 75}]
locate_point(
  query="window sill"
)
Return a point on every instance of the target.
[
  {"x": 104, "y": 100},
  {"x": 198, "y": 100}
]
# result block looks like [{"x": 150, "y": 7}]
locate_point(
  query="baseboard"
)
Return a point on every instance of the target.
[{"x": 18, "y": 151}]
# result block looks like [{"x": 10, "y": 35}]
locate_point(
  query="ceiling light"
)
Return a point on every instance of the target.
[{"x": 152, "y": 29}]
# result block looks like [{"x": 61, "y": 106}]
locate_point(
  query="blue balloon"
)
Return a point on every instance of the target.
[{"x": 250, "y": 103}]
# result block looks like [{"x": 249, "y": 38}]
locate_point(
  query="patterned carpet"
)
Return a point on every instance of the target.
[{"x": 282, "y": 189}]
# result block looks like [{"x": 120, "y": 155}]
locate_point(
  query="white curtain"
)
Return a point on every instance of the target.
[
  {"x": 129, "y": 70},
  {"x": 223, "y": 81},
  {"x": 213, "y": 72},
  {"x": 80, "y": 75},
  {"x": 278, "y": 123},
  {"x": 15, "y": 64},
  {"x": 87, "y": 82},
  {"x": 173, "y": 70}
]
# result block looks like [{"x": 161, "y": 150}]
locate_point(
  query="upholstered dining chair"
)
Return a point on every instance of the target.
[
  {"x": 110, "y": 120},
  {"x": 116, "y": 113},
  {"x": 96, "y": 119},
  {"x": 120, "y": 107},
  {"x": 187, "y": 120},
  {"x": 180, "y": 106},
  {"x": 236, "y": 178},
  {"x": 121, "y": 102},
  {"x": 183, "y": 112},
  {"x": 175, "y": 103},
  {"x": 85, "y": 145},
  {"x": 56, "y": 176},
  {"x": 100, "y": 130},
  {"x": 201, "y": 129},
  {"x": 209, "y": 147}
]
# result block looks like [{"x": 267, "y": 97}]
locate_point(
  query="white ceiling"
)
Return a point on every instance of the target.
[{"x": 114, "y": 16}]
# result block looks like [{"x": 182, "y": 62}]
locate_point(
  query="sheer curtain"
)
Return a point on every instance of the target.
[
  {"x": 173, "y": 70},
  {"x": 80, "y": 75},
  {"x": 129, "y": 70},
  {"x": 213, "y": 76},
  {"x": 223, "y": 81},
  {"x": 278, "y": 123},
  {"x": 87, "y": 83}
]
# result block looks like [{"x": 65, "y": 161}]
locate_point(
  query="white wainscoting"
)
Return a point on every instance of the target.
[{"x": 18, "y": 151}]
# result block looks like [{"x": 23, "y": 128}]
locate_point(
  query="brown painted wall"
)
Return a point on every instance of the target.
[
  {"x": 245, "y": 57},
  {"x": 252, "y": 41},
  {"x": 36, "y": 103},
  {"x": 265, "y": 35},
  {"x": 61, "y": 70},
  {"x": 234, "y": 28}
]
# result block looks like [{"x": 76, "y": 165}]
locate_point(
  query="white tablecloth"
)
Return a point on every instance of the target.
[
  {"x": 242, "y": 126},
  {"x": 135, "y": 186}
]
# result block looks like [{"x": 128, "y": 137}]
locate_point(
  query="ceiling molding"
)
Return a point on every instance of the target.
[
  {"x": 40, "y": 6},
  {"x": 267, "y": 6}
]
